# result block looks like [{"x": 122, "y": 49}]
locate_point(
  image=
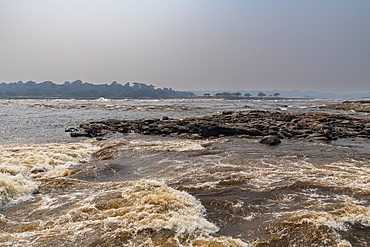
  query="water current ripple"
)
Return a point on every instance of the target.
[{"x": 134, "y": 190}]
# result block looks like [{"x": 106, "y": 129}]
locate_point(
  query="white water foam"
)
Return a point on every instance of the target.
[
  {"x": 20, "y": 164},
  {"x": 139, "y": 213},
  {"x": 154, "y": 145}
]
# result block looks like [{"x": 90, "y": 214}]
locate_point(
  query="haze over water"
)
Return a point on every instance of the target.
[
  {"x": 189, "y": 45},
  {"x": 136, "y": 190}
]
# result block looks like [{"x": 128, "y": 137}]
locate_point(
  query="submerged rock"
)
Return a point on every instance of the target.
[
  {"x": 79, "y": 134},
  {"x": 270, "y": 140},
  {"x": 328, "y": 134}
]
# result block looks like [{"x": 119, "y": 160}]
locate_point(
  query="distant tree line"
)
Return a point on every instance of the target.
[
  {"x": 237, "y": 95},
  {"x": 78, "y": 89}
]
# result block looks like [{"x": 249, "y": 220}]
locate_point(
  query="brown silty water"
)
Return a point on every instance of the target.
[{"x": 134, "y": 190}]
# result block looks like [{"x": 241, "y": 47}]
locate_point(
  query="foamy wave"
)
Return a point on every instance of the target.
[
  {"x": 347, "y": 213},
  {"x": 101, "y": 104},
  {"x": 21, "y": 163},
  {"x": 340, "y": 218},
  {"x": 169, "y": 145},
  {"x": 112, "y": 148},
  {"x": 265, "y": 176},
  {"x": 140, "y": 213},
  {"x": 102, "y": 100},
  {"x": 15, "y": 188},
  {"x": 178, "y": 210}
]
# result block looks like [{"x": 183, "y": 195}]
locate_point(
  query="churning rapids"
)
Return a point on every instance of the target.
[{"x": 144, "y": 190}]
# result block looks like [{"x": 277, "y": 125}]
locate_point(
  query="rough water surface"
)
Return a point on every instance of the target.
[{"x": 136, "y": 190}]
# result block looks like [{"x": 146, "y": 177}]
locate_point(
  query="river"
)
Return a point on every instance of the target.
[{"x": 136, "y": 190}]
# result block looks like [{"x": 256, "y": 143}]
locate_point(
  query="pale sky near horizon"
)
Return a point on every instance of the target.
[{"x": 321, "y": 45}]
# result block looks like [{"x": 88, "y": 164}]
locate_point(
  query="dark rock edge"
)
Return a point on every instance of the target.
[{"x": 249, "y": 124}]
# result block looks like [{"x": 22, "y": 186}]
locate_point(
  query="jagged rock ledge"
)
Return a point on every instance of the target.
[{"x": 254, "y": 123}]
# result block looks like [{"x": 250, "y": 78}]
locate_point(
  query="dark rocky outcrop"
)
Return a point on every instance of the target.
[
  {"x": 252, "y": 124},
  {"x": 270, "y": 140}
]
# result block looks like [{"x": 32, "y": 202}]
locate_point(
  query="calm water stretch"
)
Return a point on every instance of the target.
[{"x": 135, "y": 190}]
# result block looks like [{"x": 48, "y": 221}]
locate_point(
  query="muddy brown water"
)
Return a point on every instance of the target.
[{"x": 134, "y": 190}]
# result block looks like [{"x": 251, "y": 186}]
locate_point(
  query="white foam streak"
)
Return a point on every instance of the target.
[
  {"x": 338, "y": 219},
  {"x": 267, "y": 176},
  {"x": 150, "y": 145}
]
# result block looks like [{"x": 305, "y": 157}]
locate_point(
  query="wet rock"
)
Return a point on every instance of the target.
[
  {"x": 150, "y": 121},
  {"x": 272, "y": 133},
  {"x": 321, "y": 127},
  {"x": 84, "y": 125},
  {"x": 302, "y": 125},
  {"x": 248, "y": 131},
  {"x": 280, "y": 135},
  {"x": 274, "y": 128},
  {"x": 270, "y": 140},
  {"x": 227, "y": 112},
  {"x": 365, "y": 131},
  {"x": 287, "y": 134},
  {"x": 296, "y": 132},
  {"x": 247, "y": 123},
  {"x": 301, "y": 136},
  {"x": 328, "y": 134},
  {"x": 195, "y": 136},
  {"x": 317, "y": 136},
  {"x": 79, "y": 134},
  {"x": 71, "y": 129}
]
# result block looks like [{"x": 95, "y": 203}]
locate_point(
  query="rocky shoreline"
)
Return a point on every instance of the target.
[{"x": 250, "y": 124}]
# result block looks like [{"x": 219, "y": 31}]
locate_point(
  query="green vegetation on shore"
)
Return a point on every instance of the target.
[
  {"x": 79, "y": 90},
  {"x": 238, "y": 95}
]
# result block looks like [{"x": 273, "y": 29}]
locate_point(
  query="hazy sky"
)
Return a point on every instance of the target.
[{"x": 319, "y": 45}]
